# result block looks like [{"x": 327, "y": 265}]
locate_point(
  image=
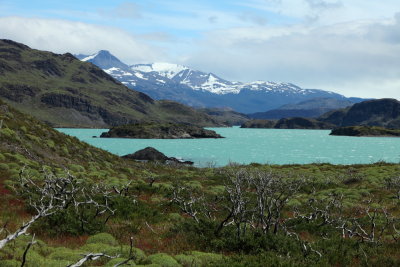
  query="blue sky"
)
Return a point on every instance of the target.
[{"x": 348, "y": 46}]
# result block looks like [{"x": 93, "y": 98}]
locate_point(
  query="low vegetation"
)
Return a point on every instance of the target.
[{"x": 65, "y": 203}]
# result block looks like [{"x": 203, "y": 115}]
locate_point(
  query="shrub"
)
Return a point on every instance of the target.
[
  {"x": 10, "y": 263},
  {"x": 207, "y": 258},
  {"x": 7, "y": 132},
  {"x": 50, "y": 143},
  {"x": 175, "y": 217},
  {"x": 69, "y": 221},
  {"x": 103, "y": 238},
  {"x": 3, "y": 166},
  {"x": 163, "y": 259},
  {"x": 56, "y": 263},
  {"x": 101, "y": 248},
  {"x": 65, "y": 254},
  {"x": 188, "y": 260},
  {"x": 112, "y": 262}
]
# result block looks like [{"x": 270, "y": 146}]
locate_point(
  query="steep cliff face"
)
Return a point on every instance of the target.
[
  {"x": 65, "y": 92},
  {"x": 379, "y": 112}
]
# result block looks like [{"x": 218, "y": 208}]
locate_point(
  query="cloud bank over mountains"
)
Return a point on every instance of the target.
[{"x": 351, "y": 48}]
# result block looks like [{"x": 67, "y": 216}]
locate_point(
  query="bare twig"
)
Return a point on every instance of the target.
[
  {"x": 26, "y": 250},
  {"x": 131, "y": 255},
  {"x": 91, "y": 257}
]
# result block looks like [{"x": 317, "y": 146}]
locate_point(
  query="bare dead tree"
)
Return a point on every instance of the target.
[
  {"x": 124, "y": 190},
  {"x": 327, "y": 211},
  {"x": 56, "y": 193},
  {"x": 272, "y": 193},
  {"x": 187, "y": 202},
  {"x": 237, "y": 201},
  {"x": 369, "y": 224},
  {"x": 393, "y": 183}
]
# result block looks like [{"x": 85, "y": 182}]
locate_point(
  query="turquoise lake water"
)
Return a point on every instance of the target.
[{"x": 274, "y": 146}]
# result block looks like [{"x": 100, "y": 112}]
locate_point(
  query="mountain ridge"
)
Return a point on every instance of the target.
[
  {"x": 204, "y": 90},
  {"x": 311, "y": 108},
  {"x": 66, "y": 92}
]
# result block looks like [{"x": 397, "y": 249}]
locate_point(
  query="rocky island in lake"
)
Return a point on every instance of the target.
[
  {"x": 288, "y": 123},
  {"x": 152, "y": 154},
  {"x": 365, "y": 131},
  {"x": 153, "y": 130}
]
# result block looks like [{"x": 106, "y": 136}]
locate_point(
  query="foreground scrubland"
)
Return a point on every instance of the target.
[{"x": 65, "y": 203}]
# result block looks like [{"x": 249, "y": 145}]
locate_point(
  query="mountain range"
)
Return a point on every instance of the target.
[
  {"x": 201, "y": 89},
  {"x": 66, "y": 92},
  {"x": 311, "y": 108}
]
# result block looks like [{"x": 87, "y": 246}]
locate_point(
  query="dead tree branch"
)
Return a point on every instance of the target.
[
  {"x": 26, "y": 250},
  {"x": 91, "y": 257},
  {"x": 56, "y": 193}
]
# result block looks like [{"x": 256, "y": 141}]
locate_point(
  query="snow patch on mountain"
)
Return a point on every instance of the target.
[
  {"x": 167, "y": 70},
  {"x": 89, "y": 57}
]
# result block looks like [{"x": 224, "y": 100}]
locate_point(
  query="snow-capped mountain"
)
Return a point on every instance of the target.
[
  {"x": 196, "y": 88},
  {"x": 103, "y": 59}
]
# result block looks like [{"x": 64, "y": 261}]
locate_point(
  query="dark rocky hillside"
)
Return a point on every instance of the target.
[
  {"x": 65, "y": 92},
  {"x": 379, "y": 112}
]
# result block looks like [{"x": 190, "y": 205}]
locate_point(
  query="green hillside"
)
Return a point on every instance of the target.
[
  {"x": 65, "y": 92},
  {"x": 315, "y": 215}
]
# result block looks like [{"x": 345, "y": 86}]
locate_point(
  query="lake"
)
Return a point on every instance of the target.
[{"x": 273, "y": 146}]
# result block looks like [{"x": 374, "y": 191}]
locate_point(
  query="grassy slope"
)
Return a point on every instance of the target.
[
  {"x": 25, "y": 141},
  {"x": 27, "y": 75}
]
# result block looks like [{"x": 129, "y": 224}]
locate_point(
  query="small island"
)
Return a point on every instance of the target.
[
  {"x": 367, "y": 131},
  {"x": 289, "y": 123},
  {"x": 153, "y": 130},
  {"x": 264, "y": 124}
]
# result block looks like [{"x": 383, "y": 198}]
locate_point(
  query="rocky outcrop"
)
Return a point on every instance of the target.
[
  {"x": 152, "y": 154},
  {"x": 378, "y": 112},
  {"x": 85, "y": 106},
  {"x": 18, "y": 92},
  {"x": 159, "y": 131},
  {"x": 365, "y": 131},
  {"x": 302, "y": 123}
]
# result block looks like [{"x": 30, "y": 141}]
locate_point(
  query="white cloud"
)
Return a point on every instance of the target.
[
  {"x": 126, "y": 10},
  {"x": 355, "y": 58},
  {"x": 62, "y": 36}
]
